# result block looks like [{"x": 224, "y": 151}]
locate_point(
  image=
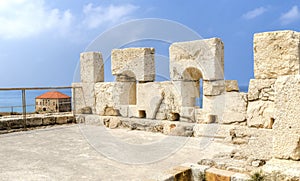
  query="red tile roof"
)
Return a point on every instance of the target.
[{"x": 53, "y": 95}]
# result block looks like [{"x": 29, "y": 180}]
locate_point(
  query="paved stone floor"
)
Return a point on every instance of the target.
[{"x": 68, "y": 152}]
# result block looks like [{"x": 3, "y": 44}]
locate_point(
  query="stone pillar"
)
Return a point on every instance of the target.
[
  {"x": 91, "y": 72},
  {"x": 130, "y": 65},
  {"x": 91, "y": 67},
  {"x": 275, "y": 54},
  {"x": 286, "y": 129}
]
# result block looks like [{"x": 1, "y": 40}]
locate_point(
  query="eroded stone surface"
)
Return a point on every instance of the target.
[
  {"x": 159, "y": 98},
  {"x": 110, "y": 96},
  {"x": 286, "y": 126},
  {"x": 197, "y": 59},
  {"x": 217, "y": 174},
  {"x": 260, "y": 114},
  {"x": 213, "y": 88},
  {"x": 276, "y": 54},
  {"x": 261, "y": 89},
  {"x": 136, "y": 63},
  {"x": 83, "y": 97},
  {"x": 231, "y": 85},
  {"x": 235, "y": 107},
  {"x": 91, "y": 67},
  {"x": 229, "y": 107}
]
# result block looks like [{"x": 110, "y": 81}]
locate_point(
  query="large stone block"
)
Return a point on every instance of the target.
[
  {"x": 214, "y": 106},
  {"x": 213, "y": 88},
  {"x": 198, "y": 171},
  {"x": 276, "y": 54},
  {"x": 214, "y": 174},
  {"x": 260, "y": 114},
  {"x": 287, "y": 126},
  {"x": 286, "y": 145},
  {"x": 287, "y": 107},
  {"x": 83, "y": 95},
  {"x": 155, "y": 98},
  {"x": 133, "y": 63},
  {"x": 113, "y": 97},
  {"x": 229, "y": 107},
  {"x": 261, "y": 89},
  {"x": 231, "y": 86},
  {"x": 235, "y": 107},
  {"x": 91, "y": 67},
  {"x": 197, "y": 59}
]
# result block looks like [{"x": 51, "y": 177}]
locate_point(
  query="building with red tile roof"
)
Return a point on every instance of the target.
[{"x": 53, "y": 102}]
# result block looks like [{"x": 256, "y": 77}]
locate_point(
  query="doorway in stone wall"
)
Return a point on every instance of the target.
[{"x": 193, "y": 84}]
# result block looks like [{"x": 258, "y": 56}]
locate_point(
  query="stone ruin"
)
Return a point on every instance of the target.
[{"x": 268, "y": 114}]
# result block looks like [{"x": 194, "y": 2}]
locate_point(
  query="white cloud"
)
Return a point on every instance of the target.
[
  {"x": 292, "y": 15},
  {"x": 254, "y": 13},
  {"x": 96, "y": 16},
  {"x": 25, "y": 18}
]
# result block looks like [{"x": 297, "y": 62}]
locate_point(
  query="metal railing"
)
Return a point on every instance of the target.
[{"x": 23, "y": 90}]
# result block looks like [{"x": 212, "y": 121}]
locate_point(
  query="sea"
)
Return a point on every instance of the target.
[{"x": 11, "y": 101}]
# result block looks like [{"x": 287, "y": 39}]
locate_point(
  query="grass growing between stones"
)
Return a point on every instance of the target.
[{"x": 257, "y": 176}]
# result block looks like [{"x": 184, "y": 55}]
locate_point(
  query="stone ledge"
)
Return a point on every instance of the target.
[
  {"x": 213, "y": 174},
  {"x": 11, "y": 124}
]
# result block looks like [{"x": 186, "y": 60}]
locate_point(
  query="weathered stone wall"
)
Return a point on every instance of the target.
[
  {"x": 287, "y": 126},
  {"x": 113, "y": 98},
  {"x": 271, "y": 102},
  {"x": 260, "y": 112},
  {"x": 204, "y": 55},
  {"x": 133, "y": 63},
  {"x": 276, "y": 54}
]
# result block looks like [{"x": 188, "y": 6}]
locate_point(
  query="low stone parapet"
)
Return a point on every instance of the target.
[{"x": 15, "y": 123}]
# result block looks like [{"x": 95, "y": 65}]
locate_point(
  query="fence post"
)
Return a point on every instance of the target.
[{"x": 24, "y": 106}]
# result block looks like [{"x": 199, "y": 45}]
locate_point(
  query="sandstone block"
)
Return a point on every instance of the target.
[
  {"x": 177, "y": 129},
  {"x": 276, "y": 54},
  {"x": 231, "y": 85},
  {"x": 83, "y": 95},
  {"x": 198, "y": 171},
  {"x": 218, "y": 175},
  {"x": 261, "y": 89},
  {"x": 34, "y": 122},
  {"x": 286, "y": 127},
  {"x": 213, "y": 88},
  {"x": 279, "y": 169},
  {"x": 111, "y": 96},
  {"x": 197, "y": 59},
  {"x": 240, "y": 177},
  {"x": 229, "y": 107},
  {"x": 133, "y": 63},
  {"x": 157, "y": 98},
  {"x": 214, "y": 105},
  {"x": 260, "y": 114},
  {"x": 180, "y": 173},
  {"x": 200, "y": 116},
  {"x": 187, "y": 114},
  {"x": 286, "y": 145},
  {"x": 48, "y": 121},
  {"x": 235, "y": 107},
  {"x": 287, "y": 100},
  {"x": 132, "y": 111},
  {"x": 91, "y": 67}
]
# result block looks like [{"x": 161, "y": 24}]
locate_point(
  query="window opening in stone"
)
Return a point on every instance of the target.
[{"x": 142, "y": 114}]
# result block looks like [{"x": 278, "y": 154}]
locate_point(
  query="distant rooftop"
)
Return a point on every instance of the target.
[{"x": 53, "y": 95}]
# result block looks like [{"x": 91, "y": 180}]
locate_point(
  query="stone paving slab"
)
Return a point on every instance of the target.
[{"x": 63, "y": 153}]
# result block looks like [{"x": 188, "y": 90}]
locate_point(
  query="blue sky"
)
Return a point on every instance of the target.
[{"x": 40, "y": 40}]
